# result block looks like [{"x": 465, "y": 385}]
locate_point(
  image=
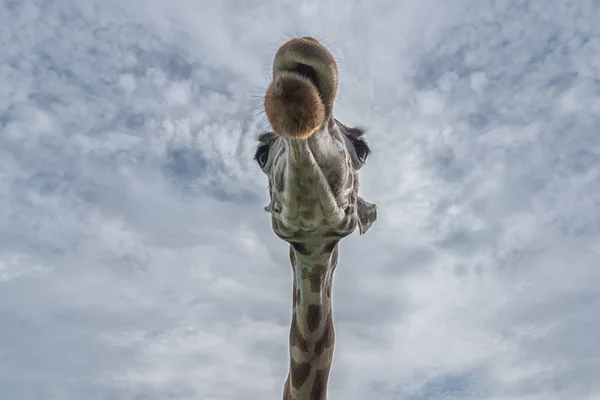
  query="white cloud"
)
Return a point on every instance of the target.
[{"x": 136, "y": 260}]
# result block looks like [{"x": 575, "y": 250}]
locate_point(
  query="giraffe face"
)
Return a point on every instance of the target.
[{"x": 311, "y": 159}]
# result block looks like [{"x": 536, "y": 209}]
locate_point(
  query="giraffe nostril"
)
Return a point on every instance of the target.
[{"x": 308, "y": 72}]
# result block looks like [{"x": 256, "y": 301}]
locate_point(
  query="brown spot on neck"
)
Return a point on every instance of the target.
[
  {"x": 299, "y": 373},
  {"x": 316, "y": 276},
  {"x": 296, "y": 338},
  {"x": 319, "y": 387},
  {"x": 327, "y": 339},
  {"x": 313, "y": 317},
  {"x": 287, "y": 393}
]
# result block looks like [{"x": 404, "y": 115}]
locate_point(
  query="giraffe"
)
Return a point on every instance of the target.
[{"x": 312, "y": 161}]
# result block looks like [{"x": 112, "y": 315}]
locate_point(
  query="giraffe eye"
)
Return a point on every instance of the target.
[
  {"x": 262, "y": 155},
  {"x": 362, "y": 150}
]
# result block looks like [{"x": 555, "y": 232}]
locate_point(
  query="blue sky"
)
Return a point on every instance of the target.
[{"x": 136, "y": 261}]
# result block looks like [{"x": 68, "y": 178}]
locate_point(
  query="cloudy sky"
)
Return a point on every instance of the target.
[{"x": 136, "y": 261}]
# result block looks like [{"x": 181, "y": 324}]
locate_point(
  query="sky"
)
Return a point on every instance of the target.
[{"x": 137, "y": 262}]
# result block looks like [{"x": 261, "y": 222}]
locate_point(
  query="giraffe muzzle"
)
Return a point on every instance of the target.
[{"x": 300, "y": 98}]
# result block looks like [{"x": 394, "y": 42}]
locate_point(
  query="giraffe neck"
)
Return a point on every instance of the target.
[{"x": 312, "y": 334}]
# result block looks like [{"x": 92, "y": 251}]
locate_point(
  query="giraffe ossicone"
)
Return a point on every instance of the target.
[{"x": 312, "y": 161}]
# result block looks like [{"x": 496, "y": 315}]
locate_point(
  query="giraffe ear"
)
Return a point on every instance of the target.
[{"x": 367, "y": 214}]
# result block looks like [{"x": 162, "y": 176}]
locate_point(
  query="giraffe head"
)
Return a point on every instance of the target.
[{"x": 311, "y": 159}]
